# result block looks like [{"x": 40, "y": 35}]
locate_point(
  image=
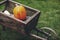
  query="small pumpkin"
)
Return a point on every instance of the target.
[{"x": 19, "y": 12}]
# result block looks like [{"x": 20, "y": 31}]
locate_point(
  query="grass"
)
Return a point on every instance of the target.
[{"x": 50, "y": 16}]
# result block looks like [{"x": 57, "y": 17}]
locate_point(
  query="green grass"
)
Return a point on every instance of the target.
[{"x": 50, "y": 16}]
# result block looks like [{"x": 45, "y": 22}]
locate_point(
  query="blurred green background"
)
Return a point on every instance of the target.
[{"x": 50, "y": 17}]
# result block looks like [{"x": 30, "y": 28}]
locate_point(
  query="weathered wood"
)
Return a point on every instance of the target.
[
  {"x": 37, "y": 37},
  {"x": 13, "y": 28},
  {"x": 2, "y": 2},
  {"x": 25, "y": 24},
  {"x": 3, "y": 27},
  {"x": 21, "y": 26}
]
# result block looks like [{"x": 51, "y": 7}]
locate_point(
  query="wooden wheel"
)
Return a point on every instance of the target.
[{"x": 52, "y": 34}]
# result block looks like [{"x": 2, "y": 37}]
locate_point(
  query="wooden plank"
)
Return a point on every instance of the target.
[
  {"x": 2, "y": 2},
  {"x": 37, "y": 37},
  {"x": 30, "y": 8},
  {"x": 31, "y": 18},
  {"x": 13, "y": 28},
  {"x": 12, "y": 17}
]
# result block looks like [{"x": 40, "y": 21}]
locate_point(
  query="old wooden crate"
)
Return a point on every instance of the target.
[{"x": 23, "y": 27}]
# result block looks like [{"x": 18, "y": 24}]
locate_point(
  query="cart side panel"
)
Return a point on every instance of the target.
[
  {"x": 25, "y": 26},
  {"x": 11, "y": 23},
  {"x": 32, "y": 24}
]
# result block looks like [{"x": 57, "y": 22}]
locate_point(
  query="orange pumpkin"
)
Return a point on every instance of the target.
[{"x": 20, "y": 12}]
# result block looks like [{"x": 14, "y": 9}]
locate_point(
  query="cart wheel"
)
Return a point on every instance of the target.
[{"x": 52, "y": 34}]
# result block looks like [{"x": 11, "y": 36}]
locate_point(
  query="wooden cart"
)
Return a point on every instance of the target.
[{"x": 25, "y": 27}]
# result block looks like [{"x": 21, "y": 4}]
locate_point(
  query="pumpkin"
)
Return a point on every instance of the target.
[{"x": 19, "y": 12}]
